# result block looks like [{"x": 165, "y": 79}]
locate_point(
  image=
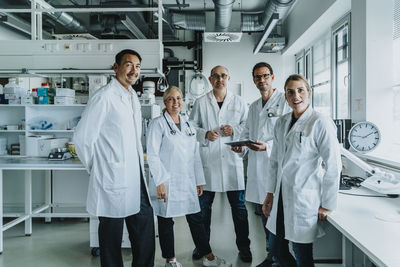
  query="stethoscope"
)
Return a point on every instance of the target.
[
  {"x": 272, "y": 113},
  {"x": 189, "y": 130}
]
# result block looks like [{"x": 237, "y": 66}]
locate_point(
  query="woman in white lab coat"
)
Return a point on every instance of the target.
[
  {"x": 176, "y": 178},
  {"x": 304, "y": 175}
]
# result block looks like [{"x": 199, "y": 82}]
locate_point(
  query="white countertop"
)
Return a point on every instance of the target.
[
  {"x": 36, "y": 163},
  {"x": 362, "y": 221}
]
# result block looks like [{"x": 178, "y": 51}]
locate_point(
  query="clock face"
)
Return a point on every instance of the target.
[{"x": 364, "y": 136}]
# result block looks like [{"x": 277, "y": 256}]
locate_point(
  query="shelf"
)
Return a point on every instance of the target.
[
  {"x": 11, "y": 105},
  {"x": 50, "y": 131},
  {"x": 12, "y": 156},
  {"x": 12, "y": 131},
  {"x": 37, "y": 105},
  {"x": 58, "y": 106}
]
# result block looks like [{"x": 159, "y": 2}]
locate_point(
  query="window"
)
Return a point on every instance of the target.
[
  {"x": 341, "y": 68},
  {"x": 300, "y": 63},
  {"x": 321, "y": 85},
  {"x": 396, "y": 70}
]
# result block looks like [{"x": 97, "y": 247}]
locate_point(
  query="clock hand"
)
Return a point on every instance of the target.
[{"x": 368, "y": 135}]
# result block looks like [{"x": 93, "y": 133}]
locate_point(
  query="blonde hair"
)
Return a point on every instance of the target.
[
  {"x": 169, "y": 92},
  {"x": 300, "y": 78}
]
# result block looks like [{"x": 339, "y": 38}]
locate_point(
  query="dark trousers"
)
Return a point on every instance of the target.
[
  {"x": 279, "y": 246},
  {"x": 197, "y": 229},
  {"x": 264, "y": 222},
  {"x": 141, "y": 234},
  {"x": 239, "y": 216}
]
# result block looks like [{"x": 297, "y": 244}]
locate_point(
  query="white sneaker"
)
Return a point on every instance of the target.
[
  {"x": 217, "y": 262},
  {"x": 173, "y": 263}
]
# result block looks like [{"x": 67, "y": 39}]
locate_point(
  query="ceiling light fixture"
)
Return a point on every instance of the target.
[{"x": 268, "y": 29}]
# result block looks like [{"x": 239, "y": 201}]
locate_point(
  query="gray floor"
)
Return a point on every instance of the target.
[{"x": 66, "y": 242}]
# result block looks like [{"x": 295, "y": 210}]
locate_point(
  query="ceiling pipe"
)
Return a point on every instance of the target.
[
  {"x": 223, "y": 14},
  {"x": 63, "y": 18},
  {"x": 258, "y": 22}
]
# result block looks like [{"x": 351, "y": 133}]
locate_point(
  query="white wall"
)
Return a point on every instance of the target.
[
  {"x": 372, "y": 52},
  {"x": 239, "y": 59}
]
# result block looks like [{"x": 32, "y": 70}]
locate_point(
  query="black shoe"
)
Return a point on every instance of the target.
[
  {"x": 245, "y": 255},
  {"x": 196, "y": 254},
  {"x": 266, "y": 263}
]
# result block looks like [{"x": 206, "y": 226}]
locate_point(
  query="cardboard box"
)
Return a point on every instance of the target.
[
  {"x": 65, "y": 92},
  {"x": 47, "y": 145},
  {"x": 14, "y": 101},
  {"x": 28, "y": 100},
  {"x": 42, "y": 91},
  {"x": 32, "y": 144},
  {"x": 64, "y": 100},
  {"x": 43, "y": 100}
]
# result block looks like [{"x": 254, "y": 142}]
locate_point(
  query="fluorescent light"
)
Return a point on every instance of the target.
[
  {"x": 132, "y": 28},
  {"x": 270, "y": 26}
]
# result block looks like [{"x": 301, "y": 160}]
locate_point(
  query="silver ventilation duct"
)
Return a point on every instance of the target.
[
  {"x": 223, "y": 14},
  {"x": 197, "y": 22},
  {"x": 64, "y": 19},
  {"x": 257, "y": 22},
  {"x": 194, "y": 22},
  {"x": 67, "y": 21}
]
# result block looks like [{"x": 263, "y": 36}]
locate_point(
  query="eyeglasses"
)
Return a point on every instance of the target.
[
  {"x": 217, "y": 76},
  {"x": 265, "y": 76}
]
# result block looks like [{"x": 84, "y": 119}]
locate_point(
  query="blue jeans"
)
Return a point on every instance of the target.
[
  {"x": 279, "y": 248},
  {"x": 239, "y": 216}
]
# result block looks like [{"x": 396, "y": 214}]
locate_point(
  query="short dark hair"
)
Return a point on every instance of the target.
[
  {"x": 121, "y": 54},
  {"x": 261, "y": 65},
  {"x": 300, "y": 78}
]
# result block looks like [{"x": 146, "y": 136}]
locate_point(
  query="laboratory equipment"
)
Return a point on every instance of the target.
[
  {"x": 364, "y": 136},
  {"x": 377, "y": 180},
  {"x": 149, "y": 87},
  {"x": 60, "y": 154},
  {"x": 198, "y": 85}
]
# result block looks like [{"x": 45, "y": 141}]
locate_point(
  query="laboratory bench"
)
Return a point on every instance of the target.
[
  {"x": 372, "y": 224},
  {"x": 29, "y": 164}
]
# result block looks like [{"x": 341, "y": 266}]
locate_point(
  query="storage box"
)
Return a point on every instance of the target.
[
  {"x": 42, "y": 91},
  {"x": 28, "y": 100},
  {"x": 43, "y": 100},
  {"x": 10, "y": 90},
  {"x": 65, "y": 92},
  {"x": 64, "y": 100},
  {"x": 81, "y": 99},
  {"x": 14, "y": 101},
  {"x": 10, "y": 96},
  {"x": 32, "y": 144},
  {"x": 46, "y": 145}
]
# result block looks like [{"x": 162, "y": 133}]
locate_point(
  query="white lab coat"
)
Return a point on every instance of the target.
[
  {"x": 260, "y": 126},
  {"x": 306, "y": 162},
  {"x": 223, "y": 168},
  {"x": 107, "y": 141},
  {"x": 174, "y": 160}
]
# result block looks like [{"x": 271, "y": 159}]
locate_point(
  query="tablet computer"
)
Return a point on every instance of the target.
[{"x": 241, "y": 142}]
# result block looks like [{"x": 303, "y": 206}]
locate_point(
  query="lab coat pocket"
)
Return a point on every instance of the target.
[
  {"x": 114, "y": 179},
  {"x": 307, "y": 202}
]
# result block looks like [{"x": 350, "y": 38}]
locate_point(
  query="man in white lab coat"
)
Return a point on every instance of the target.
[
  {"x": 219, "y": 117},
  {"x": 107, "y": 141},
  {"x": 260, "y": 124}
]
